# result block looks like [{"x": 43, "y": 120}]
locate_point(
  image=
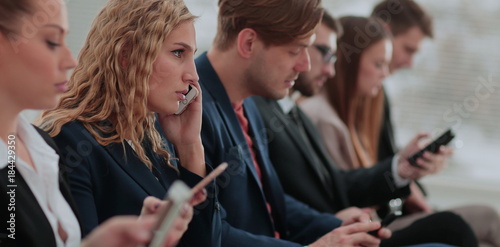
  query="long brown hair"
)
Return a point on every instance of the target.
[
  {"x": 103, "y": 90},
  {"x": 361, "y": 114}
]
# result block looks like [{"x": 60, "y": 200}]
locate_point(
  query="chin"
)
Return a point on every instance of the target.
[
  {"x": 280, "y": 95},
  {"x": 169, "y": 109},
  {"x": 47, "y": 105}
]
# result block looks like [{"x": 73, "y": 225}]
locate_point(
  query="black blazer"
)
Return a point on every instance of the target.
[
  {"x": 320, "y": 184},
  {"x": 248, "y": 223},
  {"x": 387, "y": 145},
  {"x": 31, "y": 225},
  {"x": 111, "y": 180},
  {"x": 329, "y": 189}
]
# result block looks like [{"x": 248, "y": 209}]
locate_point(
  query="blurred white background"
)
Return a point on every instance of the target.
[{"x": 454, "y": 83}]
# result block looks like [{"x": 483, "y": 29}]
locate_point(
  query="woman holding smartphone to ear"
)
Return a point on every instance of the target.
[{"x": 135, "y": 66}]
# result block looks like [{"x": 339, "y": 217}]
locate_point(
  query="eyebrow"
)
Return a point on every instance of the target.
[
  {"x": 412, "y": 49},
  {"x": 61, "y": 29},
  {"x": 303, "y": 45},
  {"x": 186, "y": 46},
  {"x": 323, "y": 45}
]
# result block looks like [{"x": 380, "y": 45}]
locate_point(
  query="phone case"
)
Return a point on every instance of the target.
[
  {"x": 385, "y": 222},
  {"x": 190, "y": 96},
  {"x": 178, "y": 194},
  {"x": 433, "y": 147}
]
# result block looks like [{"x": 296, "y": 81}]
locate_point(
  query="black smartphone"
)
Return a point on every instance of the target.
[
  {"x": 385, "y": 222},
  {"x": 190, "y": 96},
  {"x": 433, "y": 147}
]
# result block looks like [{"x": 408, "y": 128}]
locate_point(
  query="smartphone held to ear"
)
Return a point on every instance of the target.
[{"x": 190, "y": 96}]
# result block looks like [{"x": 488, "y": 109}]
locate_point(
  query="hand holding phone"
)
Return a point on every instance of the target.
[
  {"x": 190, "y": 96},
  {"x": 433, "y": 147},
  {"x": 385, "y": 222},
  {"x": 177, "y": 195},
  {"x": 209, "y": 178}
]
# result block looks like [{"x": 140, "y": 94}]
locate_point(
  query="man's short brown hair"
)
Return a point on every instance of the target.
[
  {"x": 401, "y": 15},
  {"x": 276, "y": 22},
  {"x": 332, "y": 23}
]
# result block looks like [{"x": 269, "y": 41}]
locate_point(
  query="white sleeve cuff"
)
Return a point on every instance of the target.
[{"x": 398, "y": 181}]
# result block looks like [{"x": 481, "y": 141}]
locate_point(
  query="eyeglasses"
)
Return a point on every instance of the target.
[{"x": 327, "y": 54}]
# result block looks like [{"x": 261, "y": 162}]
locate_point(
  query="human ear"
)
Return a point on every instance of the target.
[
  {"x": 387, "y": 27},
  {"x": 246, "y": 42}
]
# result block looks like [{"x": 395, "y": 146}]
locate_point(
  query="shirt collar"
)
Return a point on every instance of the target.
[
  {"x": 288, "y": 102},
  {"x": 33, "y": 141}
]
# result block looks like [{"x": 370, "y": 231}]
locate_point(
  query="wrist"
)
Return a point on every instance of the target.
[
  {"x": 399, "y": 175},
  {"x": 192, "y": 157}
]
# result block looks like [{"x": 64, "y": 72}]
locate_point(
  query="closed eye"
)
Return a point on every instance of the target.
[{"x": 52, "y": 44}]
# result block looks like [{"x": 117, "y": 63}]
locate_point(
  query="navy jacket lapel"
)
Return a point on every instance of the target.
[
  {"x": 131, "y": 164},
  {"x": 224, "y": 107},
  {"x": 269, "y": 177},
  {"x": 295, "y": 135},
  {"x": 322, "y": 154}
]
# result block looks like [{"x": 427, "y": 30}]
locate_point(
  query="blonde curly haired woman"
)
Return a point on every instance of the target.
[{"x": 135, "y": 66}]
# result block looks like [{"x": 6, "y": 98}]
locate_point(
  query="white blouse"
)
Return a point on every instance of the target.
[{"x": 44, "y": 181}]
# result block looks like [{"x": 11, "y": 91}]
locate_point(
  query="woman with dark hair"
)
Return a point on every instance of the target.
[{"x": 348, "y": 112}]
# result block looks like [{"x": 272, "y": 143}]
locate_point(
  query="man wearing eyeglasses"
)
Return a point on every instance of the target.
[
  {"x": 307, "y": 173},
  {"x": 323, "y": 57}
]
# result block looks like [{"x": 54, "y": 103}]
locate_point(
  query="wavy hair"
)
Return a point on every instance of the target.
[
  {"x": 109, "y": 96},
  {"x": 361, "y": 114}
]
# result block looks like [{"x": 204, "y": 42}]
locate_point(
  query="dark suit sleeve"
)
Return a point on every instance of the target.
[
  {"x": 206, "y": 214},
  {"x": 372, "y": 186},
  {"x": 77, "y": 167},
  {"x": 191, "y": 178},
  {"x": 305, "y": 224},
  {"x": 232, "y": 236}
]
